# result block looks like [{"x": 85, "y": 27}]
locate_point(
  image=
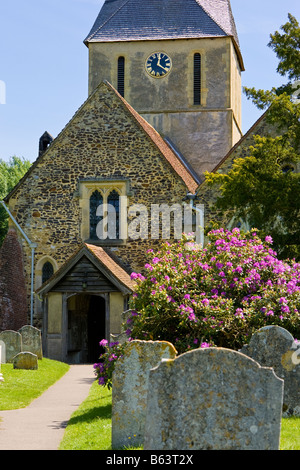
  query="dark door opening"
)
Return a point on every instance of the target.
[
  {"x": 96, "y": 327},
  {"x": 86, "y": 328}
]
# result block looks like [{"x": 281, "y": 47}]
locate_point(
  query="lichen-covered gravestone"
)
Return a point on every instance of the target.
[
  {"x": 13, "y": 343},
  {"x": 130, "y": 387},
  {"x": 273, "y": 346},
  {"x": 213, "y": 399},
  {"x": 25, "y": 360},
  {"x": 31, "y": 340}
]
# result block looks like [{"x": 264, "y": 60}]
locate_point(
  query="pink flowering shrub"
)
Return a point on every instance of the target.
[
  {"x": 215, "y": 296},
  {"x": 104, "y": 368}
]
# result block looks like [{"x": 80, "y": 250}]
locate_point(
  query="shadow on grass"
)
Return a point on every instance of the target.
[{"x": 99, "y": 412}]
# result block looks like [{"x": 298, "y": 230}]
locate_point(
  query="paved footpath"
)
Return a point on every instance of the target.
[{"x": 41, "y": 425}]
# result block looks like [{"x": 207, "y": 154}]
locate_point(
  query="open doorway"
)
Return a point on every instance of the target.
[{"x": 86, "y": 328}]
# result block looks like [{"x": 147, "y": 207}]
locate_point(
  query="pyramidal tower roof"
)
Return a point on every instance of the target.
[{"x": 142, "y": 20}]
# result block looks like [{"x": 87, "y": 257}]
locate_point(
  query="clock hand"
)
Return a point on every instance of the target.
[{"x": 166, "y": 70}]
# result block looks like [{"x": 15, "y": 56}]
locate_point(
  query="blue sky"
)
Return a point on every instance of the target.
[{"x": 44, "y": 63}]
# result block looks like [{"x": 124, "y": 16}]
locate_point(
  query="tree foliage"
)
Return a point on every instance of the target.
[{"x": 11, "y": 172}]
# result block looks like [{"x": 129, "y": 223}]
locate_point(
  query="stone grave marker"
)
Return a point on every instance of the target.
[
  {"x": 273, "y": 346},
  {"x": 213, "y": 399},
  {"x": 3, "y": 352},
  {"x": 130, "y": 387},
  {"x": 2, "y": 346},
  {"x": 13, "y": 343},
  {"x": 25, "y": 360},
  {"x": 31, "y": 340}
]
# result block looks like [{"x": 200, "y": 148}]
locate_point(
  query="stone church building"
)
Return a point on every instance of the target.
[{"x": 164, "y": 105}]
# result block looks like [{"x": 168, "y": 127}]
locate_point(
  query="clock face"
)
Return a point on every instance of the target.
[{"x": 158, "y": 64}]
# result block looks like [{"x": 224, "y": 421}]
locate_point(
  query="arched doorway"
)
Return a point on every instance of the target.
[{"x": 86, "y": 327}]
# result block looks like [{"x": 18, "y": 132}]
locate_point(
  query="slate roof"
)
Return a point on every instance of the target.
[{"x": 140, "y": 20}]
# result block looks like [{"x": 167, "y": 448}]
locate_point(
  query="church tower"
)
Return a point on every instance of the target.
[{"x": 178, "y": 63}]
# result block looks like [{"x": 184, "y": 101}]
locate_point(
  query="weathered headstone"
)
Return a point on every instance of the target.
[
  {"x": 1, "y": 348},
  {"x": 13, "y": 343},
  {"x": 213, "y": 399},
  {"x": 130, "y": 387},
  {"x": 3, "y": 352},
  {"x": 25, "y": 360},
  {"x": 273, "y": 346},
  {"x": 31, "y": 340}
]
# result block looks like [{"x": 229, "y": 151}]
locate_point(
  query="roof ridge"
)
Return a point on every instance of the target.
[
  {"x": 238, "y": 143},
  {"x": 161, "y": 144},
  {"x": 106, "y": 21},
  {"x": 187, "y": 178},
  {"x": 211, "y": 17}
]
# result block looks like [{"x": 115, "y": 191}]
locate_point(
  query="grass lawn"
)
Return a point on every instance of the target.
[
  {"x": 90, "y": 425},
  {"x": 20, "y": 387}
]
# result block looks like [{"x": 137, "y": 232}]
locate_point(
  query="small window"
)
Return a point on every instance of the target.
[
  {"x": 197, "y": 78},
  {"x": 121, "y": 75},
  {"x": 47, "y": 271},
  {"x": 96, "y": 200}
]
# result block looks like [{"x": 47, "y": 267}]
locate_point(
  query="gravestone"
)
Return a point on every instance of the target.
[
  {"x": 213, "y": 399},
  {"x": 31, "y": 340},
  {"x": 129, "y": 389},
  {"x": 2, "y": 346},
  {"x": 13, "y": 343},
  {"x": 3, "y": 352},
  {"x": 25, "y": 360},
  {"x": 273, "y": 346}
]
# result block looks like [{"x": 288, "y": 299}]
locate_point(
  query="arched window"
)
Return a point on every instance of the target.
[
  {"x": 96, "y": 200},
  {"x": 197, "y": 78},
  {"x": 121, "y": 75},
  {"x": 113, "y": 200},
  {"x": 47, "y": 271}
]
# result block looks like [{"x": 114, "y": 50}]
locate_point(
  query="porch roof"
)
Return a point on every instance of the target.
[{"x": 102, "y": 260}]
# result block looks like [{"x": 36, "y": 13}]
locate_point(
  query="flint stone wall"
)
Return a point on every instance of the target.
[
  {"x": 213, "y": 399},
  {"x": 273, "y": 346},
  {"x": 130, "y": 387}
]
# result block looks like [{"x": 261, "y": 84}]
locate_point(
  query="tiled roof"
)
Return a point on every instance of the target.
[
  {"x": 136, "y": 20},
  {"x": 115, "y": 269}
]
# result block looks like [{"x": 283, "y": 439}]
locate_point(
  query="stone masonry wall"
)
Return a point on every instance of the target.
[{"x": 103, "y": 140}]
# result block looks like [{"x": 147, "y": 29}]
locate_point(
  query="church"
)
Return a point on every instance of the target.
[{"x": 163, "y": 107}]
